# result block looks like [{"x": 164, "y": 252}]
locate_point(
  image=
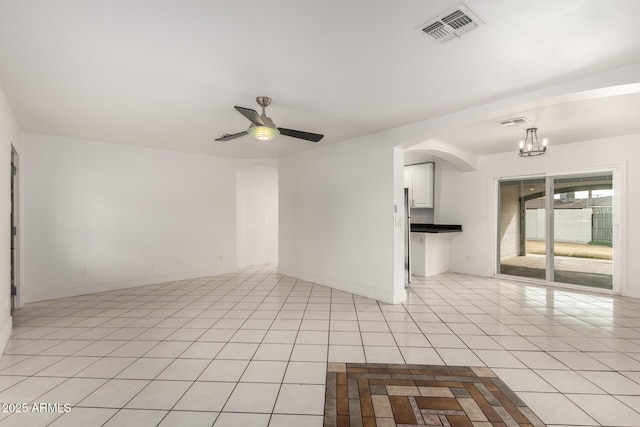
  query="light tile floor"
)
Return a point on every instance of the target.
[{"x": 251, "y": 349}]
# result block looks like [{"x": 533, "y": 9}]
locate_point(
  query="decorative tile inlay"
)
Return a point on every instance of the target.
[{"x": 389, "y": 395}]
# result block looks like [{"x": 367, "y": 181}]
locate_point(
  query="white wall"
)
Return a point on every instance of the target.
[
  {"x": 337, "y": 214},
  {"x": 422, "y": 216},
  {"x": 257, "y": 213},
  {"x": 10, "y": 135},
  {"x": 128, "y": 215},
  {"x": 468, "y": 198}
]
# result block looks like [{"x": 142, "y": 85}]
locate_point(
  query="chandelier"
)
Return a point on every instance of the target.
[{"x": 531, "y": 146}]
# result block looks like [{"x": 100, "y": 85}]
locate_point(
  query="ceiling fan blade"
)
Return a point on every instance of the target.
[
  {"x": 228, "y": 136},
  {"x": 250, "y": 114},
  {"x": 315, "y": 137}
]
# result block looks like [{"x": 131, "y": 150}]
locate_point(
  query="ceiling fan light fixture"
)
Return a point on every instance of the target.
[{"x": 263, "y": 133}]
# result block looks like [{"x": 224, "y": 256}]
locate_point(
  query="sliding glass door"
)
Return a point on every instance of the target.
[
  {"x": 566, "y": 238},
  {"x": 583, "y": 230},
  {"x": 522, "y": 231}
]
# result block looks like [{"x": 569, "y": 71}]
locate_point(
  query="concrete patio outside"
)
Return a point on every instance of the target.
[{"x": 591, "y": 272}]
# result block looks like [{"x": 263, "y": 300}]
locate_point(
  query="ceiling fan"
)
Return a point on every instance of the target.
[{"x": 262, "y": 127}]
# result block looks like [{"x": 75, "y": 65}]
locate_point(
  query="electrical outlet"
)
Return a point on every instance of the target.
[
  {"x": 84, "y": 272},
  {"x": 153, "y": 264},
  {"x": 221, "y": 257}
]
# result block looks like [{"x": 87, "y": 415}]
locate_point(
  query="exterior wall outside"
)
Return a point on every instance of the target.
[
  {"x": 536, "y": 221},
  {"x": 509, "y": 221},
  {"x": 570, "y": 225}
]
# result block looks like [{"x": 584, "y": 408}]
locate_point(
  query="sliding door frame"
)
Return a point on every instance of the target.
[
  {"x": 619, "y": 280},
  {"x": 549, "y": 227}
]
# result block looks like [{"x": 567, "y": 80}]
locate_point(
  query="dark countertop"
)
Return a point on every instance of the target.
[{"x": 436, "y": 228}]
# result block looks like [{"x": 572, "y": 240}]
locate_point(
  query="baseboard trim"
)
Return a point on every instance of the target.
[
  {"x": 114, "y": 286},
  {"x": 470, "y": 271},
  {"x": 340, "y": 285},
  {"x": 5, "y": 333},
  {"x": 632, "y": 293}
]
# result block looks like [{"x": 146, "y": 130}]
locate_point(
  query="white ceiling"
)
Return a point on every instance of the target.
[{"x": 167, "y": 73}]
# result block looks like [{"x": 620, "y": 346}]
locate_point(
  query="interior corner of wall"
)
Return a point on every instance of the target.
[
  {"x": 628, "y": 291},
  {"x": 472, "y": 271}
]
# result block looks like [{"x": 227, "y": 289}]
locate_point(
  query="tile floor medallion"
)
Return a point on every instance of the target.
[{"x": 385, "y": 395}]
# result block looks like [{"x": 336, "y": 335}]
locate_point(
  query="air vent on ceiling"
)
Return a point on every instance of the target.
[
  {"x": 451, "y": 24},
  {"x": 515, "y": 121}
]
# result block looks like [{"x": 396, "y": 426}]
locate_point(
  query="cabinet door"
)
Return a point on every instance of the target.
[
  {"x": 408, "y": 182},
  {"x": 423, "y": 185}
]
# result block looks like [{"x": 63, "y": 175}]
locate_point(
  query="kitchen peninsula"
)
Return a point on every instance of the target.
[{"x": 430, "y": 248}]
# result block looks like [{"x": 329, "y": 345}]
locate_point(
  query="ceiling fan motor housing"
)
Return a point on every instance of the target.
[{"x": 263, "y": 101}]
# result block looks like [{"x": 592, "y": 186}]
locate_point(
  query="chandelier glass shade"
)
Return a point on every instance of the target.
[{"x": 531, "y": 146}]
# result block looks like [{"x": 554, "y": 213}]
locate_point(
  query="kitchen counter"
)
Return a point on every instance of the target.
[
  {"x": 436, "y": 228},
  {"x": 430, "y": 248}
]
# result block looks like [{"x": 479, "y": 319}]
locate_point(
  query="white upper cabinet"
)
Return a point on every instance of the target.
[{"x": 419, "y": 180}]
